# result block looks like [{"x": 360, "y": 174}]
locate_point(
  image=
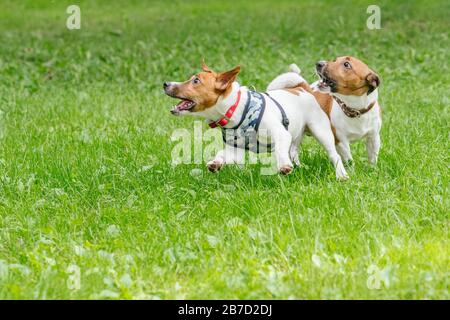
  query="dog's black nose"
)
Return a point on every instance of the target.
[
  {"x": 165, "y": 85},
  {"x": 320, "y": 64}
]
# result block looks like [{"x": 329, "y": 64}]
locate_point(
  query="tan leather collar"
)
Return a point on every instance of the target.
[{"x": 351, "y": 112}]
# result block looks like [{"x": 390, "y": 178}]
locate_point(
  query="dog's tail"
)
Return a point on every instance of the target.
[
  {"x": 294, "y": 68},
  {"x": 289, "y": 79}
]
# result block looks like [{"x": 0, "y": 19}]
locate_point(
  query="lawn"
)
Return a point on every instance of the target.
[{"x": 91, "y": 207}]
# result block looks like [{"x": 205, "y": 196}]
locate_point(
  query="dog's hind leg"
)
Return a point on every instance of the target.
[
  {"x": 321, "y": 130},
  {"x": 283, "y": 141},
  {"x": 293, "y": 151}
]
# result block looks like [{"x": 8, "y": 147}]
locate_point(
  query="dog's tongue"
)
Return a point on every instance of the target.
[
  {"x": 323, "y": 85},
  {"x": 184, "y": 105}
]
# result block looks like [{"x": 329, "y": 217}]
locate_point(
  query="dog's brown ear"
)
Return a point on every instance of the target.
[
  {"x": 373, "y": 80},
  {"x": 205, "y": 67},
  {"x": 225, "y": 79}
]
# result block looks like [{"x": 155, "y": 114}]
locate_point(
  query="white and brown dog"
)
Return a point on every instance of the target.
[
  {"x": 347, "y": 92},
  {"x": 275, "y": 120}
]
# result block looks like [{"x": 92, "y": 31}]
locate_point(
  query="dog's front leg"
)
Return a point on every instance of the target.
[
  {"x": 282, "y": 140},
  {"x": 343, "y": 148},
  {"x": 228, "y": 155},
  {"x": 373, "y": 144},
  {"x": 321, "y": 130}
]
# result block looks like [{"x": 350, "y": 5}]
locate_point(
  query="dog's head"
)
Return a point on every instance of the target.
[
  {"x": 347, "y": 76},
  {"x": 201, "y": 91}
]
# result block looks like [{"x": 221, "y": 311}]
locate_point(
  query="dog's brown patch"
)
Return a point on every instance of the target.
[
  {"x": 301, "y": 87},
  {"x": 325, "y": 101},
  {"x": 351, "y": 75}
]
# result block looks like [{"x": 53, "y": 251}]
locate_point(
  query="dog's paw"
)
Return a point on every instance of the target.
[
  {"x": 285, "y": 170},
  {"x": 214, "y": 166},
  {"x": 341, "y": 173},
  {"x": 349, "y": 163},
  {"x": 373, "y": 162},
  {"x": 296, "y": 161},
  {"x": 344, "y": 177}
]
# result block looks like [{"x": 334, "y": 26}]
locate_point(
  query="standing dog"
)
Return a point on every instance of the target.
[
  {"x": 347, "y": 91},
  {"x": 275, "y": 120}
]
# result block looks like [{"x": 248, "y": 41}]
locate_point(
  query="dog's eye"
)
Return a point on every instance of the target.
[
  {"x": 196, "y": 80},
  {"x": 347, "y": 65}
]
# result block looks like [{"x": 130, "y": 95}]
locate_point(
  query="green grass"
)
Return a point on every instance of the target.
[{"x": 86, "y": 179}]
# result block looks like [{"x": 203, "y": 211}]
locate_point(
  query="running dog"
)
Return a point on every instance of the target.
[
  {"x": 272, "y": 121},
  {"x": 347, "y": 92}
]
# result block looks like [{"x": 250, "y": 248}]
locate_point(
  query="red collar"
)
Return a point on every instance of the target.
[{"x": 226, "y": 118}]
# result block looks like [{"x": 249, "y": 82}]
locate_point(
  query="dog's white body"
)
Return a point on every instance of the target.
[
  {"x": 347, "y": 129},
  {"x": 303, "y": 112}
]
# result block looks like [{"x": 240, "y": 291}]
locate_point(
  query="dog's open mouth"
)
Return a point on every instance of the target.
[
  {"x": 325, "y": 83},
  {"x": 183, "y": 105}
]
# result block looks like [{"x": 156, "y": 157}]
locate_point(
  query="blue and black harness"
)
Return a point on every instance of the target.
[{"x": 245, "y": 134}]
